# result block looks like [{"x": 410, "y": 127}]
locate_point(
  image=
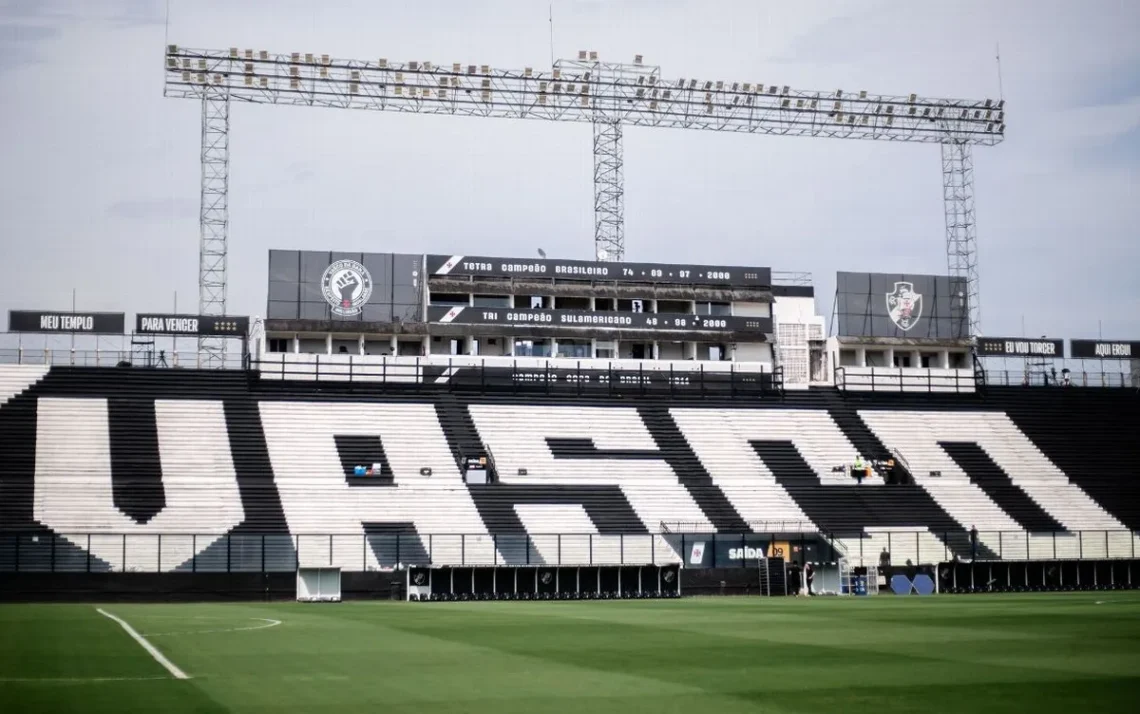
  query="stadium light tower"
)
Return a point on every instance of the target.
[{"x": 606, "y": 95}]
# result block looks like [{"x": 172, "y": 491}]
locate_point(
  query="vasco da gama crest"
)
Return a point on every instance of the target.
[
  {"x": 904, "y": 305},
  {"x": 346, "y": 285}
]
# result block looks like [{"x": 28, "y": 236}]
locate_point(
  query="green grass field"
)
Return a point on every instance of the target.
[{"x": 1039, "y": 653}]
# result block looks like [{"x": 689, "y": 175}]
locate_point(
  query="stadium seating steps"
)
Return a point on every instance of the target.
[{"x": 1088, "y": 434}]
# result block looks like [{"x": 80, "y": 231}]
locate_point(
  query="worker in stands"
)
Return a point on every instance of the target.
[{"x": 859, "y": 470}]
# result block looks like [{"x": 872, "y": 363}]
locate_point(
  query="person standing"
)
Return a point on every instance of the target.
[
  {"x": 809, "y": 575},
  {"x": 973, "y": 543}
]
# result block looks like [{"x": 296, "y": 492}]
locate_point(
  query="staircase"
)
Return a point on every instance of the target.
[{"x": 462, "y": 436}]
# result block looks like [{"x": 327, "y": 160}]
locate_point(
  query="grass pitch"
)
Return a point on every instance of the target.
[{"x": 1039, "y": 653}]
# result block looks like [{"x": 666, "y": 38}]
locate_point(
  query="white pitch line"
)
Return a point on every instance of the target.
[
  {"x": 151, "y": 649},
  {"x": 76, "y": 680},
  {"x": 269, "y": 623}
]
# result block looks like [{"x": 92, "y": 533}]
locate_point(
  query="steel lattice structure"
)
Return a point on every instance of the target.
[{"x": 608, "y": 96}]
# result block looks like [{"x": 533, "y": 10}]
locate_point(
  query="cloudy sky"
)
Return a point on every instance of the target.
[{"x": 100, "y": 173}]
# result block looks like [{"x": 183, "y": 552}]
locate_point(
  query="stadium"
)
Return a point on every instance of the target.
[{"x": 479, "y": 482}]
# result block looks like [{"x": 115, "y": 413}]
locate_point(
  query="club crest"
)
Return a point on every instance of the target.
[
  {"x": 346, "y": 286},
  {"x": 904, "y": 306}
]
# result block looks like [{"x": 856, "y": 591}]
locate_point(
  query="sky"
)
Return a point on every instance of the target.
[{"x": 100, "y": 173}]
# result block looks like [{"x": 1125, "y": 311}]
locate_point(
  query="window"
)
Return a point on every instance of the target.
[{"x": 280, "y": 344}]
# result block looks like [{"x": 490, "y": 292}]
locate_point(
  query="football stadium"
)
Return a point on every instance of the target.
[{"x": 472, "y": 482}]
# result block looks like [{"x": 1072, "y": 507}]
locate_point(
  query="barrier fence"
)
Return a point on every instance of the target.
[
  {"x": 276, "y": 552},
  {"x": 913, "y": 379}
]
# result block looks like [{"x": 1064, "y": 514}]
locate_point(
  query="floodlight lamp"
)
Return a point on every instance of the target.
[
  {"x": 295, "y": 57},
  {"x": 582, "y": 55},
  {"x": 249, "y": 80},
  {"x": 786, "y": 103},
  {"x": 692, "y": 83},
  {"x": 593, "y": 55},
  {"x": 484, "y": 69},
  {"x": 747, "y": 87},
  {"x": 527, "y": 71},
  {"x": 233, "y": 52},
  {"x": 862, "y": 93},
  {"x": 324, "y": 59},
  {"x": 1001, "y": 104},
  {"x": 773, "y": 89},
  {"x": 263, "y": 54},
  {"x": 637, "y": 59},
  {"x": 786, "y": 88},
  {"x": 990, "y": 126},
  {"x": 413, "y": 65},
  {"x": 1001, "y": 116},
  {"x": 383, "y": 63},
  {"x": 666, "y": 95},
  {"x": 308, "y": 57},
  {"x": 708, "y": 86},
  {"x": 839, "y": 92},
  {"x": 989, "y": 103},
  {"x": 913, "y": 97},
  {"x": 171, "y": 49},
  {"x": 172, "y": 62},
  {"x": 719, "y": 85},
  {"x": 455, "y": 67}
]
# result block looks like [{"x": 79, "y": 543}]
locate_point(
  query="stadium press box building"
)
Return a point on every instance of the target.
[{"x": 386, "y": 309}]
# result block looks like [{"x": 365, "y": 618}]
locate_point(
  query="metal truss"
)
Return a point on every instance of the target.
[
  {"x": 213, "y": 218},
  {"x": 961, "y": 232},
  {"x": 609, "y": 192},
  {"x": 610, "y": 97}
]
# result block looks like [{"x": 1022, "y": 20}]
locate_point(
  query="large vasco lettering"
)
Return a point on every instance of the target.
[
  {"x": 74, "y": 495},
  {"x": 563, "y": 451},
  {"x": 927, "y": 438},
  {"x": 426, "y": 490}
]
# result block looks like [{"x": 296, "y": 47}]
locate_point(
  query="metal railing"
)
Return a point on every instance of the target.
[
  {"x": 64, "y": 357},
  {"x": 926, "y": 547},
  {"x": 910, "y": 379},
  {"x": 280, "y": 552},
  {"x": 552, "y": 376}
]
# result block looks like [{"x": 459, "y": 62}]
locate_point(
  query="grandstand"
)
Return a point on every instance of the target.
[{"x": 398, "y": 410}]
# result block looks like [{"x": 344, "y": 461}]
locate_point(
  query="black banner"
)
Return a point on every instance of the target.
[
  {"x": 1103, "y": 349},
  {"x": 900, "y": 305},
  {"x": 106, "y": 323},
  {"x": 675, "y": 274},
  {"x": 198, "y": 325},
  {"x": 582, "y": 381},
  {"x": 1020, "y": 347},
  {"x": 599, "y": 320}
]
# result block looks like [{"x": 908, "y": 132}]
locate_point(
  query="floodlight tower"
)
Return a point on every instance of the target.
[{"x": 608, "y": 96}]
